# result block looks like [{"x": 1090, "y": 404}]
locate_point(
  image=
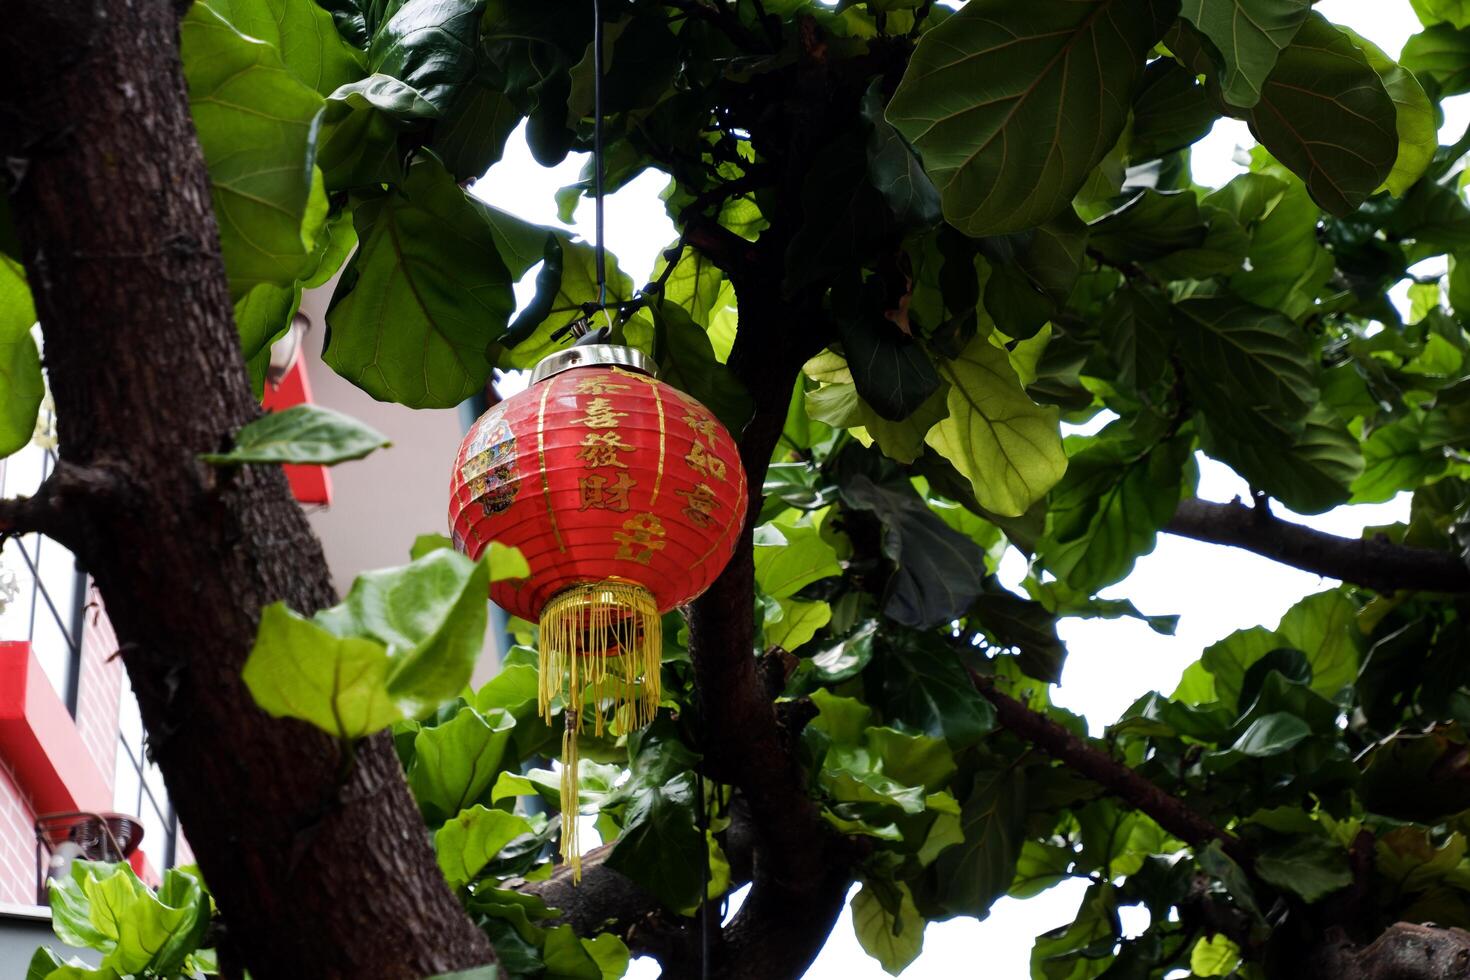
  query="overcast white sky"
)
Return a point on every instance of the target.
[{"x": 1111, "y": 663}]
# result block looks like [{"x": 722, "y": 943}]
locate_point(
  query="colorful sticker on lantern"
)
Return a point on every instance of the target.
[
  {"x": 602, "y": 448},
  {"x": 598, "y": 493},
  {"x": 701, "y": 461},
  {"x": 600, "y": 415},
  {"x": 491, "y": 472},
  {"x": 597, "y": 385},
  {"x": 641, "y": 536},
  {"x": 700, "y": 504}
]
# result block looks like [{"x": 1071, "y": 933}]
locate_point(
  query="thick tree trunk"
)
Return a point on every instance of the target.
[
  {"x": 801, "y": 869},
  {"x": 112, "y": 206}
]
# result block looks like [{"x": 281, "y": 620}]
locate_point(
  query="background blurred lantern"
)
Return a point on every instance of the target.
[{"x": 626, "y": 497}]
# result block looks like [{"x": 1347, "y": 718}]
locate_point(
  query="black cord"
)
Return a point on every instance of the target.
[{"x": 597, "y": 148}]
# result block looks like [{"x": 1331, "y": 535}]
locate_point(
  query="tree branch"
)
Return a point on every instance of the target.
[
  {"x": 1376, "y": 563},
  {"x": 1170, "y": 812},
  {"x": 1403, "y": 951},
  {"x": 59, "y": 505}
]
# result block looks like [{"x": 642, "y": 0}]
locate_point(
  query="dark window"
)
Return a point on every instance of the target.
[{"x": 45, "y": 589}]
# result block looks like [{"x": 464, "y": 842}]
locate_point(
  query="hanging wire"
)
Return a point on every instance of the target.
[{"x": 597, "y": 151}]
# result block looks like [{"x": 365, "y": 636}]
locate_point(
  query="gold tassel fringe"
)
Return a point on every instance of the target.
[{"x": 603, "y": 639}]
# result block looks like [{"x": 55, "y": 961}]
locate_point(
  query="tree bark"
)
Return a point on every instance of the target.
[
  {"x": 316, "y": 878},
  {"x": 800, "y": 873},
  {"x": 1373, "y": 562},
  {"x": 1403, "y": 951}
]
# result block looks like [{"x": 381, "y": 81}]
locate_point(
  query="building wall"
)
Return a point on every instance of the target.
[
  {"x": 99, "y": 687},
  {"x": 17, "y": 842}
]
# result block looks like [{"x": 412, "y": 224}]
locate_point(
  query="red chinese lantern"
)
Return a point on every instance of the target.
[{"x": 626, "y": 497}]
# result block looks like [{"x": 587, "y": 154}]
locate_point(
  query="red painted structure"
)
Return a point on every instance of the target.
[{"x": 309, "y": 484}]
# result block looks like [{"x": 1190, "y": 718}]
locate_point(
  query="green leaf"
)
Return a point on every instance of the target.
[
  {"x": 1009, "y": 448},
  {"x": 660, "y": 848},
  {"x": 1246, "y": 38},
  {"x": 1441, "y": 53},
  {"x": 936, "y": 570},
  {"x": 475, "y": 973},
  {"x": 471, "y": 840},
  {"x": 895, "y": 171},
  {"x": 892, "y": 372},
  {"x": 1311, "y": 471},
  {"x": 297, "y": 669},
  {"x": 430, "y": 613},
  {"x": 1310, "y": 867},
  {"x": 1245, "y": 357},
  {"x": 1151, "y": 226},
  {"x": 1287, "y": 264},
  {"x": 1214, "y": 956},
  {"x": 107, "y": 908},
  {"x": 1431, "y": 12},
  {"x": 257, "y": 126},
  {"x": 790, "y": 556},
  {"x": 429, "y": 45},
  {"x": 920, "y": 683},
  {"x": 1110, "y": 506},
  {"x": 1170, "y": 112},
  {"x": 306, "y": 434},
  {"x": 687, "y": 361},
  {"x": 972, "y": 875},
  {"x": 21, "y": 384},
  {"x": 1012, "y": 105},
  {"x": 359, "y": 145},
  {"x": 1324, "y": 626},
  {"x": 893, "y": 938},
  {"x": 470, "y": 133},
  {"x": 799, "y": 622},
  {"x": 426, "y": 294},
  {"x": 1325, "y": 114},
  {"x": 568, "y": 280},
  {"x": 571, "y": 958},
  {"x": 1272, "y": 734},
  {"x": 457, "y": 762},
  {"x": 302, "y": 34},
  {"x": 1414, "y": 118},
  {"x": 1083, "y": 949}
]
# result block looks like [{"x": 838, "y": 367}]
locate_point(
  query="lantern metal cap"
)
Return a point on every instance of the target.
[{"x": 593, "y": 355}]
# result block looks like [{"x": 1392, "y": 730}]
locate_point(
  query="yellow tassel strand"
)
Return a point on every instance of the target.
[{"x": 603, "y": 639}]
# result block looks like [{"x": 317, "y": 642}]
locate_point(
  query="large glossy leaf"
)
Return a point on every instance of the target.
[
  {"x": 302, "y": 33},
  {"x": 1287, "y": 264},
  {"x": 687, "y": 361},
  {"x": 1414, "y": 118},
  {"x": 430, "y": 613},
  {"x": 1150, "y": 226},
  {"x": 937, "y": 571},
  {"x": 425, "y": 296},
  {"x": 1109, "y": 508},
  {"x": 257, "y": 125},
  {"x": 471, "y": 840},
  {"x": 790, "y": 556},
  {"x": 1012, "y": 105},
  {"x": 361, "y": 127},
  {"x": 107, "y": 908},
  {"x": 921, "y": 682},
  {"x": 1246, "y": 37},
  {"x": 1171, "y": 111},
  {"x": 470, "y": 134},
  {"x": 1324, "y": 113},
  {"x": 456, "y": 763},
  {"x": 1243, "y": 361},
  {"x": 429, "y": 45},
  {"x": 297, "y": 669},
  {"x": 1456, "y": 12},
  {"x": 21, "y": 384},
  {"x": 1311, "y": 867},
  {"x": 1311, "y": 470},
  {"x": 1441, "y": 53},
  {"x": 970, "y": 876},
  {"x": 307, "y": 434},
  {"x": 567, "y": 282},
  {"x": 893, "y": 937},
  {"x": 895, "y": 172},
  {"x": 1008, "y": 447}
]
